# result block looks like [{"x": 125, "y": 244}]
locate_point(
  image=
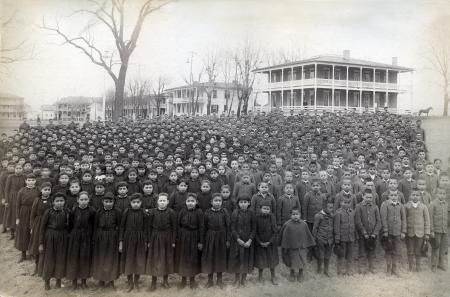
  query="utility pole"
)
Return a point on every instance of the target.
[{"x": 191, "y": 76}]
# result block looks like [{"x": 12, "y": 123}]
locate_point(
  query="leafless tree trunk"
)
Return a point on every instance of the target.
[
  {"x": 159, "y": 87},
  {"x": 210, "y": 66},
  {"x": 196, "y": 88},
  {"x": 138, "y": 91},
  {"x": 247, "y": 58},
  {"x": 110, "y": 13},
  {"x": 438, "y": 54}
]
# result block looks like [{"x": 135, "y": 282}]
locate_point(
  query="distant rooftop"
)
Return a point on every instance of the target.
[
  {"x": 9, "y": 96},
  {"x": 79, "y": 100},
  {"x": 217, "y": 85},
  {"x": 340, "y": 60}
]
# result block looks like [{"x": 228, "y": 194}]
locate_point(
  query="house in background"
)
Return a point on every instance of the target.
[
  {"x": 140, "y": 107},
  {"x": 223, "y": 97},
  {"x": 79, "y": 109},
  {"x": 334, "y": 83},
  {"x": 48, "y": 112},
  {"x": 12, "y": 110}
]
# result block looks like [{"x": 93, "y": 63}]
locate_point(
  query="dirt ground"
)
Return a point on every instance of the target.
[{"x": 16, "y": 279}]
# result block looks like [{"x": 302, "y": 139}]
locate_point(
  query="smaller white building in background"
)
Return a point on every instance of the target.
[
  {"x": 79, "y": 109},
  {"x": 223, "y": 97},
  {"x": 48, "y": 112}
]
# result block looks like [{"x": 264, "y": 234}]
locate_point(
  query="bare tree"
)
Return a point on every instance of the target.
[
  {"x": 229, "y": 73},
  {"x": 195, "y": 89},
  {"x": 139, "y": 99},
  {"x": 247, "y": 58},
  {"x": 284, "y": 55},
  {"x": 112, "y": 15},
  {"x": 211, "y": 69},
  {"x": 438, "y": 54},
  {"x": 158, "y": 88}
]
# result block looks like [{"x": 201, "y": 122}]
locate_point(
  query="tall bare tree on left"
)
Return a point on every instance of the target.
[{"x": 112, "y": 15}]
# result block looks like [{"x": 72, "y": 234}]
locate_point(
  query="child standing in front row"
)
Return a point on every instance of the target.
[
  {"x": 266, "y": 251},
  {"x": 241, "y": 247},
  {"x": 133, "y": 241},
  {"x": 79, "y": 252},
  {"x": 217, "y": 240},
  {"x": 53, "y": 238},
  {"x": 161, "y": 241},
  {"x": 40, "y": 205},
  {"x": 189, "y": 241},
  {"x": 295, "y": 239},
  {"x": 344, "y": 236},
  {"x": 438, "y": 210},
  {"x": 105, "y": 260},
  {"x": 323, "y": 234}
]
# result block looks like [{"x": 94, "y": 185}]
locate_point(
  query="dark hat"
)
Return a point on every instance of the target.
[
  {"x": 243, "y": 198},
  {"x": 108, "y": 196}
]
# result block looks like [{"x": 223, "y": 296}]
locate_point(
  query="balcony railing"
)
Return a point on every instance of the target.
[{"x": 328, "y": 83}]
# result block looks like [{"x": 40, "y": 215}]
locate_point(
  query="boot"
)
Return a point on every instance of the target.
[
  {"x": 326, "y": 265},
  {"x": 394, "y": 269},
  {"x": 166, "y": 282},
  {"x": 237, "y": 279},
  {"x": 192, "y": 283},
  {"x": 243, "y": 279},
  {"x": 23, "y": 257},
  {"x": 210, "y": 282},
  {"x": 74, "y": 284},
  {"x": 339, "y": 267},
  {"x": 183, "y": 283},
  {"x": 388, "y": 265},
  {"x": 130, "y": 283},
  {"x": 300, "y": 275},
  {"x": 418, "y": 269},
  {"x": 58, "y": 283},
  {"x": 101, "y": 284},
  {"x": 319, "y": 266},
  {"x": 153, "y": 284},
  {"x": 410, "y": 263},
  {"x": 292, "y": 276},
  {"x": 111, "y": 285},
  {"x": 47, "y": 284},
  {"x": 136, "y": 282},
  {"x": 260, "y": 276},
  {"x": 272, "y": 277},
  {"x": 371, "y": 265},
  {"x": 12, "y": 234},
  {"x": 36, "y": 263},
  {"x": 219, "y": 280},
  {"x": 348, "y": 268}
]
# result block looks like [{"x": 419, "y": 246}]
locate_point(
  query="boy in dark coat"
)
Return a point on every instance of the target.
[
  {"x": 285, "y": 204},
  {"x": 323, "y": 235},
  {"x": 295, "y": 238},
  {"x": 368, "y": 226},
  {"x": 438, "y": 211},
  {"x": 344, "y": 236},
  {"x": 14, "y": 183}
]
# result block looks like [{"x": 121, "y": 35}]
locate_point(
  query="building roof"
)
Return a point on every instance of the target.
[
  {"x": 48, "y": 108},
  {"x": 341, "y": 60},
  {"x": 79, "y": 100},
  {"x": 217, "y": 85},
  {"x": 9, "y": 96}
]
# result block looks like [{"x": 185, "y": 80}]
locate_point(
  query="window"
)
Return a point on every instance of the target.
[
  {"x": 214, "y": 108},
  {"x": 227, "y": 94},
  {"x": 214, "y": 94},
  {"x": 225, "y": 108}
]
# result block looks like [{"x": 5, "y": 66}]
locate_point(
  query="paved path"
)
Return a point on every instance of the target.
[{"x": 438, "y": 137}]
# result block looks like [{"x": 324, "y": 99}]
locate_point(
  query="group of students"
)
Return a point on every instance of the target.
[{"x": 209, "y": 195}]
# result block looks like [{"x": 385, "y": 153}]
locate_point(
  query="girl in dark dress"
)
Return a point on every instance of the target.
[
  {"x": 72, "y": 195},
  {"x": 53, "y": 238},
  {"x": 38, "y": 209},
  {"x": 189, "y": 241},
  {"x": 266, "y": 251},
  {"x": 79, "y": 253},
  {"x": 86, "y": 182},
  {"x": 63, "y": 185},
  {"x": 162, "y": 235},
  {"x": 105, "y": 260},
  {"x": 227, "y": 202},
  {"x": 177, "y": 201},
  {"x": 150, "y": 197},
  {"x": 241, "y": 247},
  {"x": 25, "y": 200},
  {"x": 204, "y": 197},
  {"x": 171, "y": 185},
  {"x": 3, "y": 179},
  {"x": 133, "y": 241},
  {"x": 217, "y": 240},
  {"x": 194, "y": 182},
  {"x": 122, "y": 201},
  {"x": 14, "y": 183},
  {"x": 133, "y": 184}
]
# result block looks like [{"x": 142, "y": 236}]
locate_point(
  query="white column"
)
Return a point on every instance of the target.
[
  {"x": 360, "y": 89},
  {"x": 302, "y": 76},
  {"x": 386, "y": 103},
  {"x": 332, "y": 88},
  {"x": 346, "y": 92},
  {"x": 315, "y": 86},
  {"x": 373, "y": 99},
  {"x": 292, "y": 87},
  {"x": 282, "y": 88},
  {"x": 270, "y": 90}
]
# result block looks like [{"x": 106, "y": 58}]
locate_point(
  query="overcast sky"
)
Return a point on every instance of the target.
[{"x": 373, "y": 30}]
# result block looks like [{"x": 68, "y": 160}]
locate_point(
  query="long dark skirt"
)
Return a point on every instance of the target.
[
  {"x": 132, "y": 260},
  {"x": 214, "y": 254},
  {"x": 23, "y": 235},
  {"x": 52, "y": 261},
  {"x": 187, "y": 255},
  {"x": 266, "y": 257},
  {"x": 79, "y": 255},
  {"x": 160, "y": 257},
  {"x": 294, "y": 258},
  {"x": 10, "y": 211},
  {"x": 33, "y": 246},
  {"x": 240, "y": 259},
  {"x": 105, "y": 260}
]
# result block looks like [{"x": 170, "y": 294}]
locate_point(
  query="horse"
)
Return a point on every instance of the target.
[{"x": 425, "y": 111}]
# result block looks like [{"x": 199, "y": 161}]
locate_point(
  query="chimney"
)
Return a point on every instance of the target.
[
  {"x": 395, "y": 61},
  {"x": 346, "y": 54}
]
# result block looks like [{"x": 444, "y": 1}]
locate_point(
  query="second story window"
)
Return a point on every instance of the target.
[
  {"x": 214, "y": 94},
  {"x": 227, "y": 94}
]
